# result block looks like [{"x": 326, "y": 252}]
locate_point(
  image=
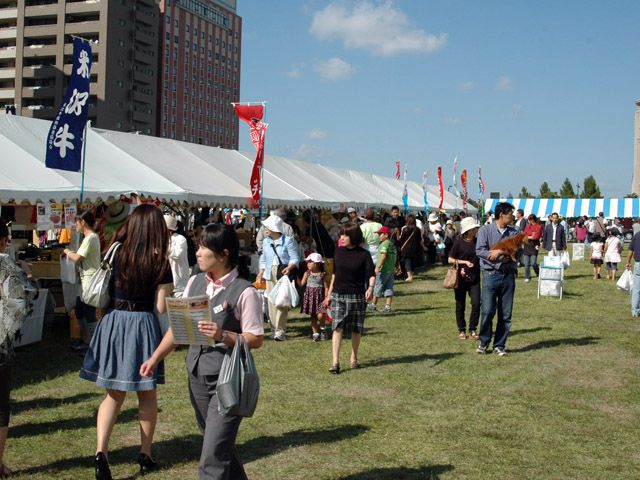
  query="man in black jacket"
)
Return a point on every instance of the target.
[{"x": 553, "y": 237}]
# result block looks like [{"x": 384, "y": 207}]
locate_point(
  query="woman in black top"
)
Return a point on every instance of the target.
[
  {"x": 347, "y": 295},
  {"x": 410, "y": 243},
  {"x": 463, "y": 254}
]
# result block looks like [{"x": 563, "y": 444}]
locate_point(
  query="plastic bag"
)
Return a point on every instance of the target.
[
  {"x": 625, "y": 282},
  {"x": 67, "y": 270},
  {"x": 284, "y": 294},
  {"x": 566, "y": 262},
  {"x": 238, "y": 385}
]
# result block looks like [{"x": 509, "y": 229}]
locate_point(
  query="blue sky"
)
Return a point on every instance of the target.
[{"x": 530, "y": 91}]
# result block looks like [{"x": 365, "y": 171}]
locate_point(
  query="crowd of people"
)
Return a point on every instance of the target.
[{"x": 343, "y": 264}]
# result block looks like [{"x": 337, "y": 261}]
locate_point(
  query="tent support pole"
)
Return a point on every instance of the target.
[{"x": 84, "y": 155}]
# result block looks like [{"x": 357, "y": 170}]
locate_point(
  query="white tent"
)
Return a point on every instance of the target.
[{"x": 173, "y": 171}]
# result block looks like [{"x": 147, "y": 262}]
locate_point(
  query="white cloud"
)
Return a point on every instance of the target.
[
  {"x": 504, "y": 84},
  {"x": 307, "y": 152},
  {"x": 381, "y": 29},
  {"x": 317, "y": 134},
  {"x": 467, "y": 85},
  {"x": 453, "y": 120},
  {"x": 295, "y": 71},
  {"x": 335, "y": 69}
]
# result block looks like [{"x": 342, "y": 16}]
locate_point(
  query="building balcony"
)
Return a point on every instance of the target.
[
  {"x": 39, "y": 92},
  {"x": 68, "y": 48},
  {"x": 36, "y": 11},
  {"x": 8, "y": 13},
  {"x": 8, "y": 32},
  {"x": 82, "y": 28},
  {"x": 40, "y": 51},
  {"x": 142, "y": 117},
  {"x": 7, "y": 94},
  {"x": 145, "y": 17},
  {"x": 43, "y": 113},
  {"x": 7, "y": 73},
  {"x": 44, "y": 71},
  {"x": 41, "y": 30},
  {"x": 142, "y": 57},
  {"x": 142, "y": 77},
  {"x": 142, "y": 97},
  {"x": 83, "y": 7},
  {"x": 8, "y": 52}
]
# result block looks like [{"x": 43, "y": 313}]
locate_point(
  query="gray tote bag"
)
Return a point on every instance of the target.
[{"x": 238, "y": 385}]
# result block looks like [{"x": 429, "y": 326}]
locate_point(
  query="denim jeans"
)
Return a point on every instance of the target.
[
  {"x": 635, "y": 291},
  {"x": 497, "y": 294},
  {"x": 530, "y": 261}
]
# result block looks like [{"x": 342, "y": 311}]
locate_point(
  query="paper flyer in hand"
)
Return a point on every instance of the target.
[{"x": 184, "y": 315}]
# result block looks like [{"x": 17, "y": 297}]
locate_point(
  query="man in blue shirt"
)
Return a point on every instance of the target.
[{"x": 498, "y": 279}]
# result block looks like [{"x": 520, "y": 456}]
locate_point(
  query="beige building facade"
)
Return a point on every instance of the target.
[{"x": 36, "y": 55}]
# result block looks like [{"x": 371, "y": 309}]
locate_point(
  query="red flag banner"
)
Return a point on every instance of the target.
[
  {"x": 250, "y": 113},
  {"x": 441, "y": 186},
  {"x": 252, "y": 116},
  {"x": 397, "y": 169},
  {"x": 465, "y": 192}
]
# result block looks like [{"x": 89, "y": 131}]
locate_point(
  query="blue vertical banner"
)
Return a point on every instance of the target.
[
  {"x": 405, "y": 193},
  {"x": 65, "y": 139},
  {"x": 424, "y": 193}
]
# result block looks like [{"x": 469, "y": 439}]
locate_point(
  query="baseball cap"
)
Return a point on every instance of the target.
[
  {"x": 314, "y": 257},
  {"x": 384, "y": 230}
]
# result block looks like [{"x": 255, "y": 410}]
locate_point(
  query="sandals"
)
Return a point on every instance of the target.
[
  {"x": 355, "y": 364},
  {"x": 335, "y": 369},
  {"x": 474, "y": 335},
  {"x": 462, "y": 336}
]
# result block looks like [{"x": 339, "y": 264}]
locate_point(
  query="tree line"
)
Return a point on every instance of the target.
[{"x": 588, "y": 189}]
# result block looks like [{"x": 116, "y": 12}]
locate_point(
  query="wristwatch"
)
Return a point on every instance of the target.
[{"x": 225, "y": 334}]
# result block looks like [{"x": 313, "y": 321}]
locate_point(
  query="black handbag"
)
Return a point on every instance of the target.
[{"x": 281, "y": 267}]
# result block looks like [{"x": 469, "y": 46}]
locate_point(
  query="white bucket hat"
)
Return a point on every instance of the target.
[
  {"x": 273, "y": 223},
  {"x": 172, "y": 222},
  {"x": 432, "y": 217},
  {"x": 467, "y": 224},
  {"x": 314, "y": 257}
]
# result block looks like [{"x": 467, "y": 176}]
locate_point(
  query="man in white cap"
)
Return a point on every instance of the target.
[
  {"x": 352, "y": 214},
  {"x": 287, "y": 230},
  {"x": 178, "y": 257}
]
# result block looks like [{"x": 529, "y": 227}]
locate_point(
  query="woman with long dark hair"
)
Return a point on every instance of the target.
[
  {"x": 236, "y": 309},
  {"x": 347, "y": 293},
  {"x": 88, "y": 260},
  {"x": 129, "y": 333}
]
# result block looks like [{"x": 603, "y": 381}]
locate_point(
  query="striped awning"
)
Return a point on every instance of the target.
[{"x": 572, "y": 207}]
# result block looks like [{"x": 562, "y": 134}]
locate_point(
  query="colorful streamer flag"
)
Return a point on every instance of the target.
[
  {"x": 252, "y": 115},
  {"x": 405, "y": 193},
  {"x": 465, "y": 192},
  {"x": 66, "y": 135},
  {"x": 424, "y": 192},
  {"x": 480, "y": 192},
  {"x": 397, "y": 169},
  {"x": 455, "y": 176},
  {"x": 441, "y": 187}
]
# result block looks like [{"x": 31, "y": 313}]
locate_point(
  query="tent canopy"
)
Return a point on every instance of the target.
[
  {"x": 572, "y": 207},
  {"x": 177, "y": 172}
]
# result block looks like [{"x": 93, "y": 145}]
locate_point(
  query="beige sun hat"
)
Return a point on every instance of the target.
[
  {"x": 432, "y": 217},
  {"x": 467, "y": 224}
]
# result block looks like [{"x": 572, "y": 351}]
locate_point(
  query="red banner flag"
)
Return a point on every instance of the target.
[
  {"x": 252, "y": 116},
  {"x": 397, "y": 169},
  {"x": 465, "y": 193},
  {"x": 441, "y": 188}
]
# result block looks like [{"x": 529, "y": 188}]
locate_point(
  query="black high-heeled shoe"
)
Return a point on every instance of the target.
[
  {"x": 146, "y": 462},
  {"x": 103, "y": 472}
]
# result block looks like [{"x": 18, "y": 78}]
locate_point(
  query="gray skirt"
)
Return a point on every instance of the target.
[{"x": 121, "y": 343}]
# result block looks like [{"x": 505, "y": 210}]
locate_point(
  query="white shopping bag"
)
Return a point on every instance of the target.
[
  {"x": 565, "y": 259},
  {"x": 67, "y": 270},
  {"x": 625, "y": 282},
  {"x": 578, "y": 251}
]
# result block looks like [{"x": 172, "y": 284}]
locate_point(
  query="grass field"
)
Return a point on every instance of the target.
[{"x": 565, "y": 402}]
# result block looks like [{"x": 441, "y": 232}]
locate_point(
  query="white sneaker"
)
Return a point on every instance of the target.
[
  {"x": 527, "y": 280},
  {"x": 279, "y": 337},
  {"x": 316, "y": 337},
  {"x": 387, "y": 310},
  {"x": 371, "y": 307}
]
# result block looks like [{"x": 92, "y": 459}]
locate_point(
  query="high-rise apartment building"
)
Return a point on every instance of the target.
[{"x": 200, "y": 50}]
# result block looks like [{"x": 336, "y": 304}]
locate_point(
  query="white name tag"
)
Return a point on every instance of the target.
[{"x": 218, "y": 309}]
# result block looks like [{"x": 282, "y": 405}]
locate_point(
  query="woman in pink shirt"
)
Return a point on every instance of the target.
[{"x": 236, "y": 309}]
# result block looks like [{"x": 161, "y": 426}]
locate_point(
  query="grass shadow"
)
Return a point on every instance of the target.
[
  {"x": 425, "y": 472},
  {"x": 265, "y": 446},
  {"x": 168, "y": 452},
  {"x": 527, "y": 330},
  {"x": 423, "y": 357},
  {"x": 52, "y": 402},
  {"x": 44, "y": 428},
  {"x": 576, "y": 342}
]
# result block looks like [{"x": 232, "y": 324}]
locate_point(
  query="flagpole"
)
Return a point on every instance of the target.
[
  {"x": 264, "y": 117},
  {"x": 84, "y": 155}
]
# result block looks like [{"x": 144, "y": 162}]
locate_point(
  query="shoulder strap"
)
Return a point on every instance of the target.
[
  {"x": 407, "y": 240},
  {"x": 108, "y": 258},
  {"x": 276, "y": 252}
]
